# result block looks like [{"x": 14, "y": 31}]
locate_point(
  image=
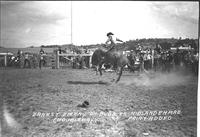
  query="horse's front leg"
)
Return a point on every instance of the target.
[
  {"x": 97, "y": 69},
  {"x": 100, "y": 69}
]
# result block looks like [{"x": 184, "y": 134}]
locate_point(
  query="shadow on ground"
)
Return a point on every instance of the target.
[{"x": 88, "y": 82}]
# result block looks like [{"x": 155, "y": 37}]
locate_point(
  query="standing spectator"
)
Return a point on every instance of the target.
[
  {"x": 19, "y": 58},
  {"x": 86, "y": 50},
  {"x": 169, "y": 61},
  {"x": 41, "y": 51},
  {"x": 42, "y": 60},
  {"x": 145, "y": 59},
  {"x": 74, "y": 62},
  {"x": 18, "y": 53},
  {"x": 196, "y": 63},
  {"x": 131, "y": 58},
  {"x": 193, "y": 61},
  {"x": 34, "y": 61},
  {"x": 141, "y": 60},
  {"x": 177, "y": 59},
  {"x": 26, "y": 61},
  {"x": 83, "y": 63},
  {"x": 138, "y": 48},
  {"x": 87, "y": 58},
  {"x": 60, "y": 50},
  {"x": 158, "y": 48}
]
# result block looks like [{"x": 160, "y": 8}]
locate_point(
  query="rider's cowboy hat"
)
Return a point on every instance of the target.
[{"x": 109, "y": 33}]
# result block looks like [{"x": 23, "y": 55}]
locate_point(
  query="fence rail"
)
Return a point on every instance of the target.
[{"x": 57, "y": 62}]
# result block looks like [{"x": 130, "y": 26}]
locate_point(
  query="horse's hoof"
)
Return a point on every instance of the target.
[{"x": 117, "y": 81}]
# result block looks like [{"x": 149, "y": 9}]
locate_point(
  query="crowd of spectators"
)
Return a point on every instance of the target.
[{"x": 159, "y": 59}]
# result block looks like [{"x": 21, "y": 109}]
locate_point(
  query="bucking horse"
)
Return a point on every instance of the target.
[{"x": 115, "y": 58}]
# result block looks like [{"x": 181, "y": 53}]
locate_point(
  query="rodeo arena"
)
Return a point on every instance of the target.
[{"x": 77, "y": 91}]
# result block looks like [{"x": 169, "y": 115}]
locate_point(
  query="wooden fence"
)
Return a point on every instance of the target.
[{"x": 5, "y": 57}]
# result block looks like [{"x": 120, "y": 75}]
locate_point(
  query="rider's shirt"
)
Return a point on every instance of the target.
[{"x": 112, "y": 41}]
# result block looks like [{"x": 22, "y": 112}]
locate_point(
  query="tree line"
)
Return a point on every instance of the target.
[{"x": 165, "y": 43}]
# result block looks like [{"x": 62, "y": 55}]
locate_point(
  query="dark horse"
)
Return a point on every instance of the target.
[{"x": 115, "y": 58}]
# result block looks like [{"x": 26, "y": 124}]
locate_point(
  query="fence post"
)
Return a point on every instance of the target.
[
  {"x": 57, "y": 60},
  {"x": 152, "y": 59},
  {"x": 5, "y": 60},
  {"x": 90, "y": 61}
]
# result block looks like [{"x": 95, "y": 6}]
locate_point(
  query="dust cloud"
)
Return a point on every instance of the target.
[{"x": 157, "y": 79}]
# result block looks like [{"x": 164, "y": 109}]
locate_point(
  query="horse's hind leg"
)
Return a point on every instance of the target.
[
  {"x": 131, "y": 67},
  {"x": 120, "y": 74}
]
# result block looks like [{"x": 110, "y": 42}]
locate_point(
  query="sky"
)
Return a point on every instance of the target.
[{"x": 36, "y": 23}]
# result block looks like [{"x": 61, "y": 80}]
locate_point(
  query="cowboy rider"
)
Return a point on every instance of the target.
[
  {"x": 112, "y": 40},
  {"x": 112, "y": 47}
]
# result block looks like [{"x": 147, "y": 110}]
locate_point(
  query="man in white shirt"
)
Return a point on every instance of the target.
[{"x": 42, "y": 60}]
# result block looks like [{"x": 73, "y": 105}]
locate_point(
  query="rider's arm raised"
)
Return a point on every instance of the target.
[{"x": 118, "y": 40}]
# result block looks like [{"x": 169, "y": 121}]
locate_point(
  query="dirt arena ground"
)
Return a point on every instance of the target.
[{"x": 39, "y": 103}]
